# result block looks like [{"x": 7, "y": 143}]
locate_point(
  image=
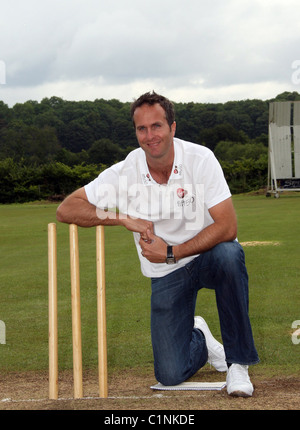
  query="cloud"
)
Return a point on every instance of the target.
[{"x": 191, "y": 49}]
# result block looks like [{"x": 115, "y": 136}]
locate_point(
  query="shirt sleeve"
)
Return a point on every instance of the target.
[{"x": 103, "y": 191}]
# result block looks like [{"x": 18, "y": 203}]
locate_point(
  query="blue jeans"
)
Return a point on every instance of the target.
[{"x": 179, "y": 349}]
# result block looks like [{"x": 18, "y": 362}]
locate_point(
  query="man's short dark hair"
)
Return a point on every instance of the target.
[{"x": 151, "y": 99}]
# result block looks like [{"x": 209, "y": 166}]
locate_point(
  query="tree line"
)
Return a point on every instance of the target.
[{"x": 50, "y": 148}]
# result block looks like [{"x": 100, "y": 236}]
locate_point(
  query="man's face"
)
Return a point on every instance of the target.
[{"x": 153, "y": 132}]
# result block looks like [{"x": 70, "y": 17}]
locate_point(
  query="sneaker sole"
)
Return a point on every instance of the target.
[{"x": 240, "y": 394}]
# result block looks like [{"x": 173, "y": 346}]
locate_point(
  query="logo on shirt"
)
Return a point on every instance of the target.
[
  {"x": 146, "y": 178},
  {"x": 177, "y": 169},
  {"x": 185, "y": 198},
  {"x": 181, "y": 193}
]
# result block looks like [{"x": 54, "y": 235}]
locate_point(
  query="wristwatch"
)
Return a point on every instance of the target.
[{"x": 170, "y": 256}]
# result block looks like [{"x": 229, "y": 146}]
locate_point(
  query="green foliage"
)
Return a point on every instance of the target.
[
  {"x": 20, "y": 182},
  {"x": 245, "y": 165},
  {"x": 54, "y": 136},
  {"x": 230, "y": 151},
  {"x": 104, "y": 151},
  {"x": 246, "y": 174}
]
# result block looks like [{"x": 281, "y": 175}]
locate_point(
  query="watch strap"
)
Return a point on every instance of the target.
[{"x": 170, "y": 251}]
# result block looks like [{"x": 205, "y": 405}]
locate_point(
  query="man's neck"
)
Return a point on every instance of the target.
[
  {"x": 161, "y": 175},
  {"x": 161, "y": 168}
]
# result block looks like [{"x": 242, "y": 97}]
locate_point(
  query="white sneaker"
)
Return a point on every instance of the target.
[
  {"x": 238, "y": 381},
  {"x": 216, "y": 354}
]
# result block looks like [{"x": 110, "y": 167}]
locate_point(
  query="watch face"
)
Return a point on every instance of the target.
[
  {"x": 171, "y": 260},
  {"x": 170, "y": 257}
]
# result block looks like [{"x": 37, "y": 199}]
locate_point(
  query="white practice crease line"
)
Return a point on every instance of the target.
[{"x": 62, "y": 399}]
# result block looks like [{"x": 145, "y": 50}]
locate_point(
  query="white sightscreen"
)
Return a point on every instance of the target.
[
  {"x": 297, "y": 138},
  {"x": 280, "y": 143}
]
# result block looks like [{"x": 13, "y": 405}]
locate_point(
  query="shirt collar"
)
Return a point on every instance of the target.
[{"x": 177, "y": 169}]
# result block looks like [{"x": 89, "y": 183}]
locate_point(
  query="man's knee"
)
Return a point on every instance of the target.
[
  {"x": 229, "y": 253},
  {"x": 169, "y": 377}
]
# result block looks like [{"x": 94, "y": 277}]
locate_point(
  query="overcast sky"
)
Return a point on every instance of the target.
[{"x": 188, "y": 50}]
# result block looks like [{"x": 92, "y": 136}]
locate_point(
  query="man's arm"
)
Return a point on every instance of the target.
[
  {"x": 76, "y": 209},
  {"x": 224, "y": 229}
]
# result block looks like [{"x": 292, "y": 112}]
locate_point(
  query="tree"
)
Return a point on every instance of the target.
[
  {"x": 30, "y": 143},
  {"x": 104, "y": 151},
  {"x": 76, "y": 135},
  {"x": 25, "y": 111},
  {"x": 211, "y": 136},
  {"x": 231, "y": 151},
  {"x": 5, "y": 115},
  {"x": 53, "y": 146}
]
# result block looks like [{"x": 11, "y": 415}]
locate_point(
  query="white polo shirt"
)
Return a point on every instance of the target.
[{"x": 179, "y": 209}]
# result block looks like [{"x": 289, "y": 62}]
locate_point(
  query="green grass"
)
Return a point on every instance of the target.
[{"x": 274, "y": 273}]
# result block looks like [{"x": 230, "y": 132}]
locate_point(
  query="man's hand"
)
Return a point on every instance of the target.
[
  {"x": 137, "y": 225},
  {"x": 153, "y": 247}
]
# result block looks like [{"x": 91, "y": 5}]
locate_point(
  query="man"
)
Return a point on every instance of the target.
[{"x": 173, "y": 196}]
